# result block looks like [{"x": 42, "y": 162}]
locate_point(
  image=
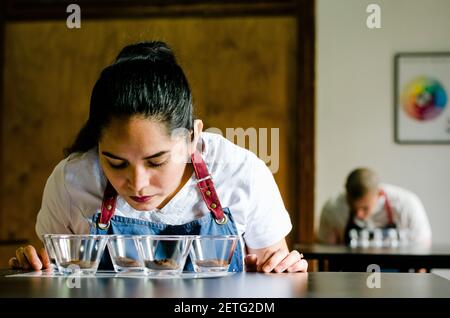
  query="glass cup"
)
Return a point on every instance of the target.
[
  {"x": 164, "y": 254},
  {"x": 364, "y": 238},
  {"x": 50, "y": 251},
  {"x": 124, "y": 252},
  {"x": 213, "y": 253},
  {"x": 377, "y": 240},
  {"x": 78, "y": 253},
  {"x": 353, "y": 233},
  {"x": 392, "y": 237}
]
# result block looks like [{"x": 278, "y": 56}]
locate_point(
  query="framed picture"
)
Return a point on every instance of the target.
[{"x": 422, "y": 86}]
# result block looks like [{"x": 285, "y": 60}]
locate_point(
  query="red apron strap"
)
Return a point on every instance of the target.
[
  {"x": 389, "y": 212},
  {"x": 206, "y": 187},
  {"x": 108, "y": 204}
]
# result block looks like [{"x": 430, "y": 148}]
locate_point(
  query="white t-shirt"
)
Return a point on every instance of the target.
[
  {"x": 408, "y": 213},
  {"x": 74, "y": 191}
]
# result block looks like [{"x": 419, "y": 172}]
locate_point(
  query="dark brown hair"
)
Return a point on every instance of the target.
[{"x": 144, "y": 80}]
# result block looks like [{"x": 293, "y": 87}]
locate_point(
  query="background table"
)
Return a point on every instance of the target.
[
  {"x": 245, "y": 285},
  {"x": 345, "y": 258}
]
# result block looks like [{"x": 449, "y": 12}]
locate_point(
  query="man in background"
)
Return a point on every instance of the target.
[{"x": 369, "y": 204}]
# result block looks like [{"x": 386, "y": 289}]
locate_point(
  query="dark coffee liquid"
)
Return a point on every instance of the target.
[{"x": 162, "y": 264}]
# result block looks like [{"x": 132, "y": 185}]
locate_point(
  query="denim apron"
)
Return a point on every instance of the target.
[
  {"x": 351, "y": 225},
  {"x": 218, "y": 222}
]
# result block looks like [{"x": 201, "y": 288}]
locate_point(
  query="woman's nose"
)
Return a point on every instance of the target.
[{"x": 139, "y": 179}]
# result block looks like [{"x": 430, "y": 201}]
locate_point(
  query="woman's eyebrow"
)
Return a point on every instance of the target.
[{"x": 158, "y": 154}]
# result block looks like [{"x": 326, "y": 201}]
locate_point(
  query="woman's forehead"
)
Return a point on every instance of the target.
[
  {"x": 143, "y": 133},
  {"x": 135, "y": 126}
]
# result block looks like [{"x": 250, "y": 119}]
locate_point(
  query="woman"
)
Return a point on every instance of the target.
[{"x": 138, "y": 167}]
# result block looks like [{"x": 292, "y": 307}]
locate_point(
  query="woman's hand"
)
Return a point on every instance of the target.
[
  {"x": 276, "y": 258},
  {"x": 27, "y": 258}
]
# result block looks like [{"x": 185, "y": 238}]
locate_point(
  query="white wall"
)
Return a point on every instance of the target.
[{"x": 355, "y": 121}]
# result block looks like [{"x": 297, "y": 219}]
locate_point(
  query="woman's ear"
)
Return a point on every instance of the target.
[{"x": 198, "y": 128}]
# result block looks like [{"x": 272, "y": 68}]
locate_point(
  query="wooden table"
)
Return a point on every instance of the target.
[{"x": 404, "y": 258}]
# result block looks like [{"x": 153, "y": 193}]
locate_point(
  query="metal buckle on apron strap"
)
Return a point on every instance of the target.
[
  {"x": 102, "y": 226},
  {"x": 204, "y": 179},
  {"x": 222, "y": 221}
]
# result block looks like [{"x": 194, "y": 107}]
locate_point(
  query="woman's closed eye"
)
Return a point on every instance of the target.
[
  {"x": 118, "y": 165},
  {"x": 124, "y": 164},
  {"x": 156, "y": 164}
]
